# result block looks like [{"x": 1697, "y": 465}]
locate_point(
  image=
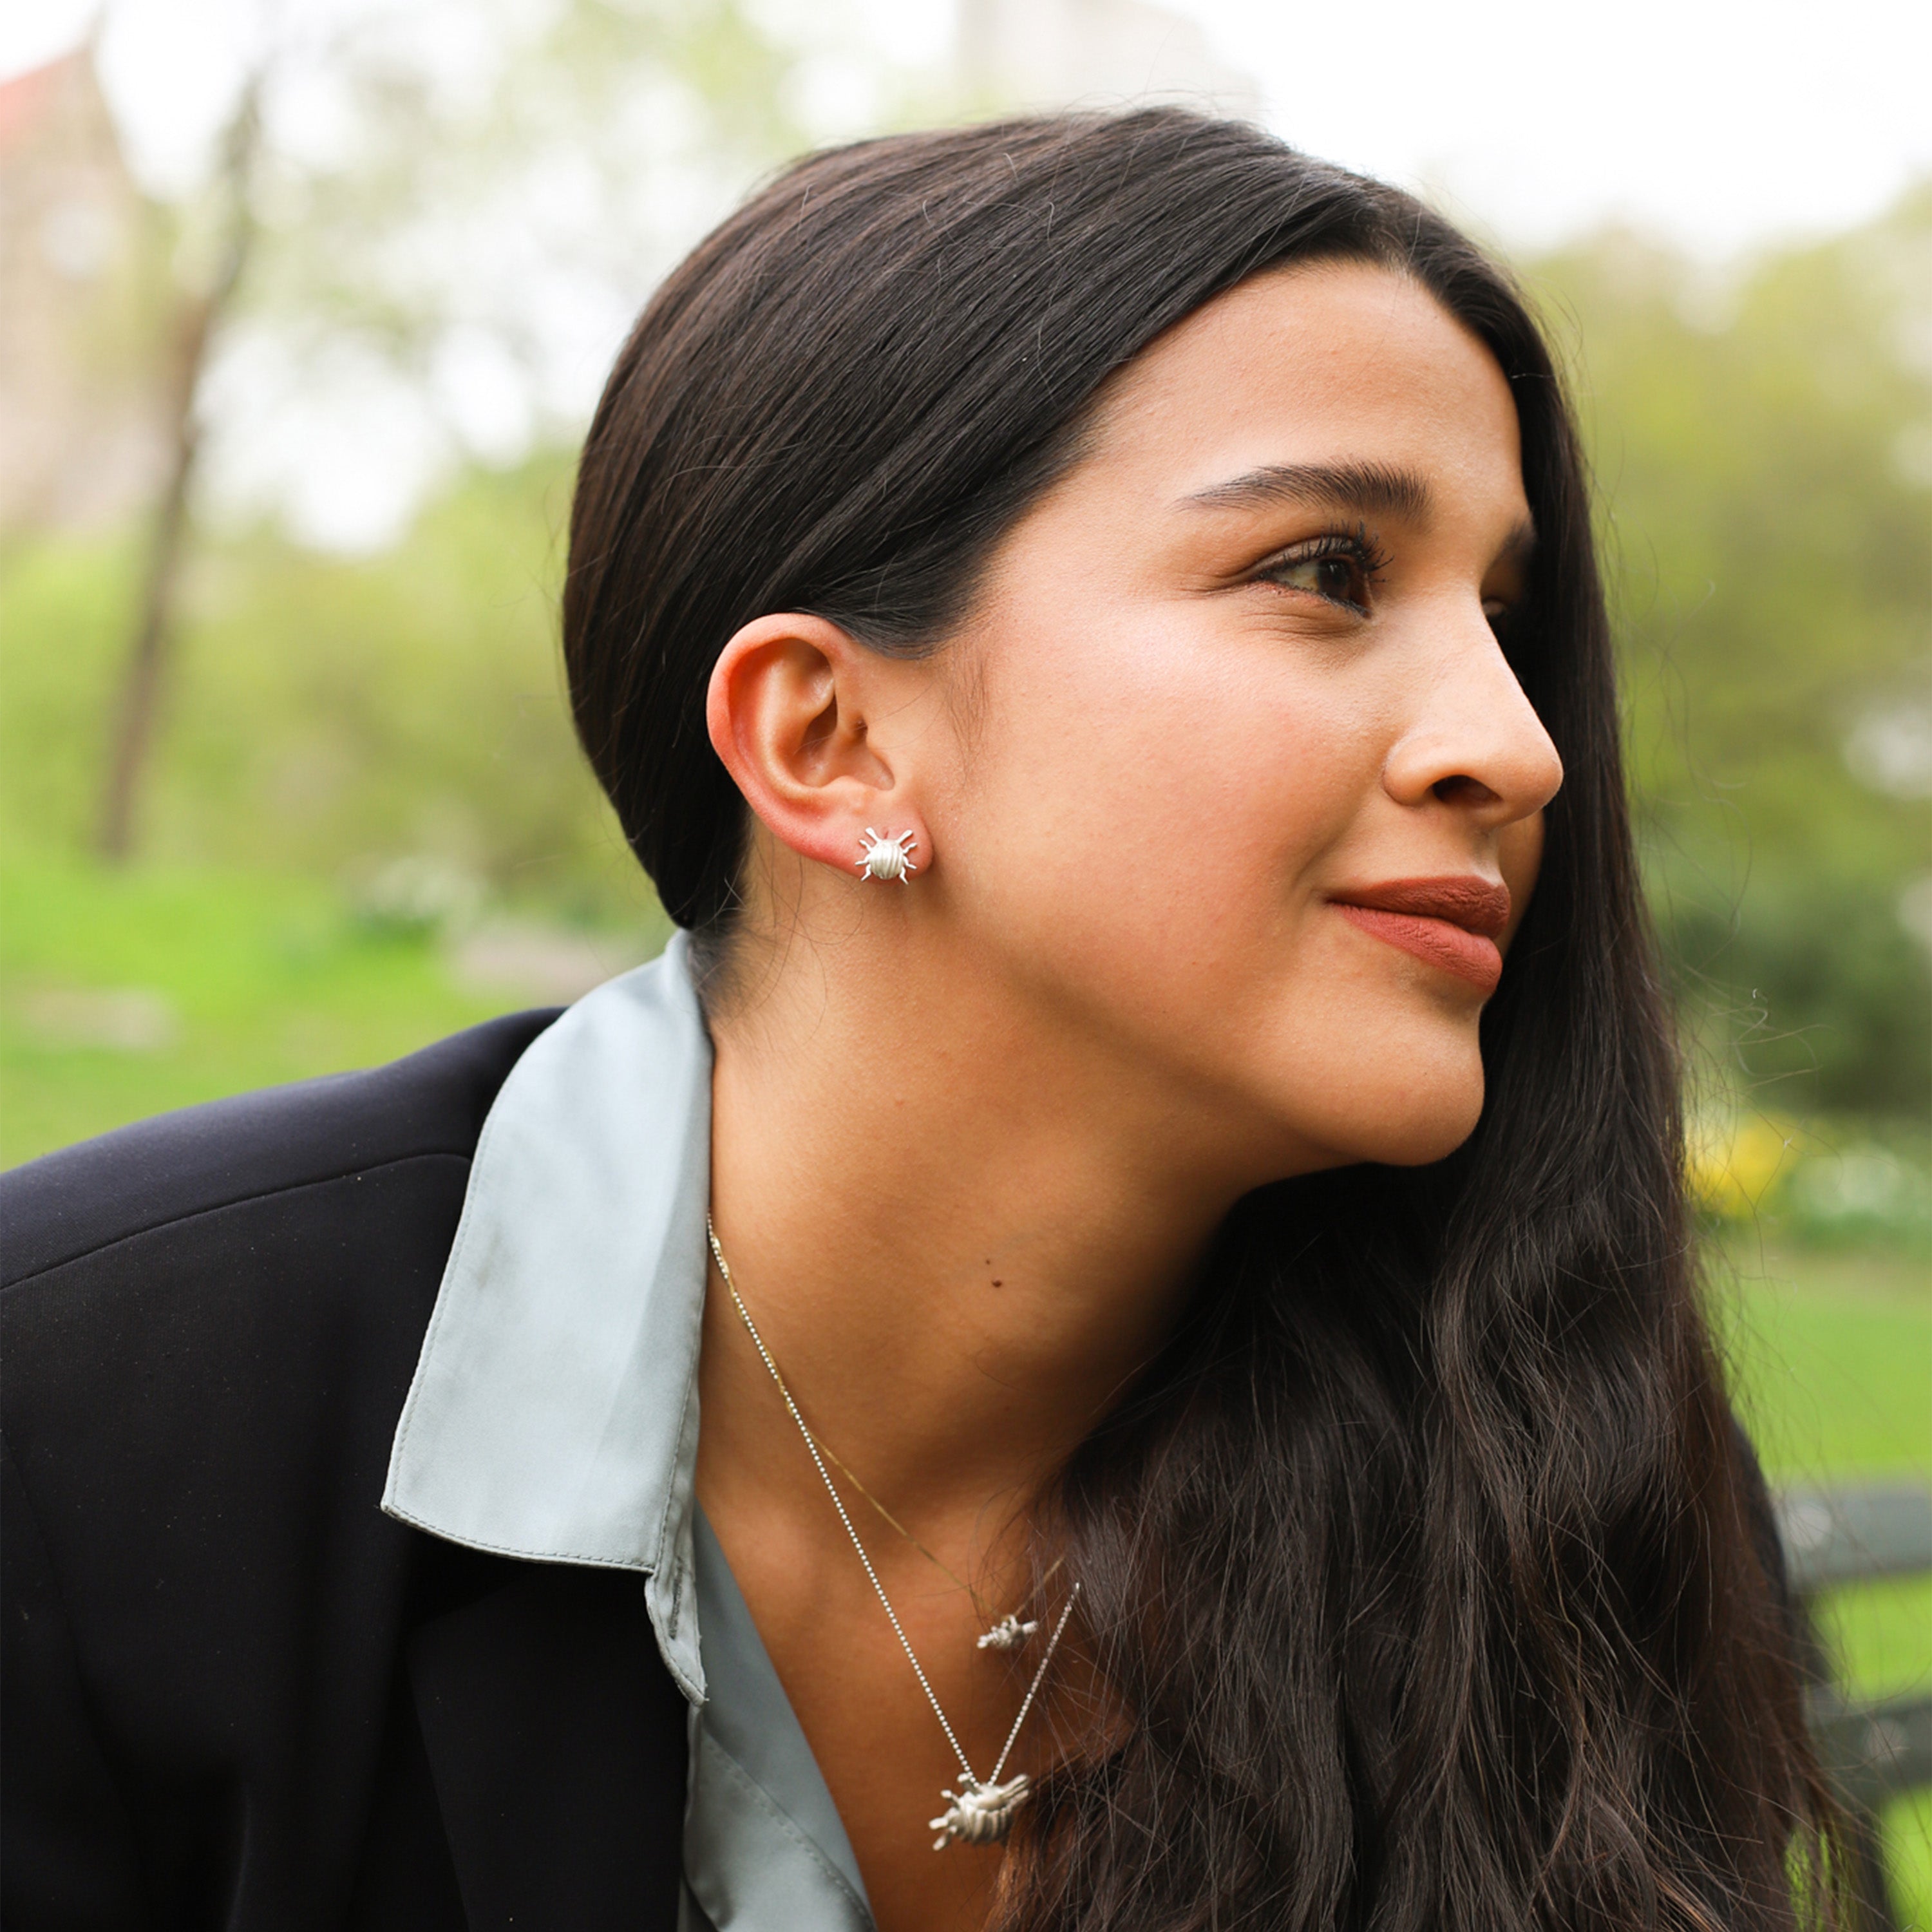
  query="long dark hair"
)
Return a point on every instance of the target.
[{"x": 1427, "y": 1565}]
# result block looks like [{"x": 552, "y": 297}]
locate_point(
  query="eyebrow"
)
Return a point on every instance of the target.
[{"x": 1362, "y": 488}]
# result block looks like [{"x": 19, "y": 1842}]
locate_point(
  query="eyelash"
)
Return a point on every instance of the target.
[{"x": 1357, "y": 546}]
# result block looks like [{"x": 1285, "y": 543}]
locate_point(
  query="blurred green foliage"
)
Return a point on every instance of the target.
[
  {"x": 329, "y": 714},
  {"x": 1763, "y": 451}
]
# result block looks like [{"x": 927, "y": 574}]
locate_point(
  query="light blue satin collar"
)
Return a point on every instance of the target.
[
  {"x": 554, "y": 1411},
  {"x": 553, "y": 1417}
]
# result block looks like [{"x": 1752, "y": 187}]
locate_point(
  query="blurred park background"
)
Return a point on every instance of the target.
[{"x": 303, "y": 307}]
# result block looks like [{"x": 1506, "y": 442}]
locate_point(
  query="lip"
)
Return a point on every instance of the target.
[{"x": 1452, "y": 924}]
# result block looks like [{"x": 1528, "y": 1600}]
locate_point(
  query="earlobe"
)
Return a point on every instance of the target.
[{"x": 786, "y": 711}]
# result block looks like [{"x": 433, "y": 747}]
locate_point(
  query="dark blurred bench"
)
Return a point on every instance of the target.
[{"x": 1874, "y": 1748}]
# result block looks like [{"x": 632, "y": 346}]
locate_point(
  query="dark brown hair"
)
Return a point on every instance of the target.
[{"x": 1427, "y": 1564}]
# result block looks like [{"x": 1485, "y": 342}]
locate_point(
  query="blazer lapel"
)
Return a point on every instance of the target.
[{"x": 557, "y": 1743}]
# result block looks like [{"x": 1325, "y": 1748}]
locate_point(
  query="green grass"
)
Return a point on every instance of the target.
[
  {"x": 243, "y": 980},
  {"x": 1832, "y": 1359},
  {"x": 1832, "y": 1354}
]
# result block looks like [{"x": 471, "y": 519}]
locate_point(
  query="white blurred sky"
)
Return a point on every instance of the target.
[
  {"x": 1715, "y": 124},
  {"x": 1720, "y": 122}
]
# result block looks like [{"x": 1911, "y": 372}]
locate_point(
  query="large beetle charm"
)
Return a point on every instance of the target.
[{"x": 982, "y": 1814}]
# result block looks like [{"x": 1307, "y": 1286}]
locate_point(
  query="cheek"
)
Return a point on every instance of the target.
[{"x": 1143, "y": 780}]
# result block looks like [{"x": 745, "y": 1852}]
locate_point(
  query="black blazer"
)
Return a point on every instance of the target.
[{"x": 236, "y": 1692}]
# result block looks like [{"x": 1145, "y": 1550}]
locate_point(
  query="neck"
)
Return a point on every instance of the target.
[{"x": 960, "y": 1236}]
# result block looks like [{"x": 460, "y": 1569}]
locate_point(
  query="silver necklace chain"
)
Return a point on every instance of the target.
[{"x": 879, "y": 1588}]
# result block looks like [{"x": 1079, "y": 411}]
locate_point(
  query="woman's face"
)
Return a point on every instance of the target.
[{"x": 1240, "y": 789}]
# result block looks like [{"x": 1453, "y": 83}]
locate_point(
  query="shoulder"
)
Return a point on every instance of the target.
[
  {"x": 212, "y": 1315},
  {"x": 170, "y": 1171}
]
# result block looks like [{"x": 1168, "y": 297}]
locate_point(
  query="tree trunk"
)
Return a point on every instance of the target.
[{"x": 138, "y": 704}]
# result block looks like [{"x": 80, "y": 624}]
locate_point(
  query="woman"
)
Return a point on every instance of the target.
[{"x": 1084, "y": 1302}]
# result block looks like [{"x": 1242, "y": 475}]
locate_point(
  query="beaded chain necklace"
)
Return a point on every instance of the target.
[{"x": 981, "y": 1811}]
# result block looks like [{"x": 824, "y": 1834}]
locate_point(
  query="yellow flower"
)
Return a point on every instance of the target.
[{"x": 1736, "y": 1160}]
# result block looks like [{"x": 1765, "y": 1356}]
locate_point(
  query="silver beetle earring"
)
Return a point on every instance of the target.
[{"x": 887, "y": 859}]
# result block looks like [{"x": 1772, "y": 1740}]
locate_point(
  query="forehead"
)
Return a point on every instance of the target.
[{"x": 1321, "y": 363}]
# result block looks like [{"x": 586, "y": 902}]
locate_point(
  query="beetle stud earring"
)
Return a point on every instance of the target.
[{"x": 887, "y": 859}]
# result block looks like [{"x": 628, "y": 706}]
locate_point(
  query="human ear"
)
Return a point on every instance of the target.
[{"x": 788, "y": 711}]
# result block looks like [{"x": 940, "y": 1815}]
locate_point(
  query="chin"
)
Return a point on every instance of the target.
[
  {"x": 1403, "y": 1123},
  {"x": 1417, "y": 1143}
]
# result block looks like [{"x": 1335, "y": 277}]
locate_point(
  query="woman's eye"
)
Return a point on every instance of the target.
[{"x": 1338, "y": 577}]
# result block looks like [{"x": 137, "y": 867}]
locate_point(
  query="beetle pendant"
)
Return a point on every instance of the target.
[
  {"x": 1009, "y": 1633},
  {"x": 982, "y": 1814},
  {"x": 887, "y": 859}
]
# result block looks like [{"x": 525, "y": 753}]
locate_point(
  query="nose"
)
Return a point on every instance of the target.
[{"x": 1475, "y": 742}]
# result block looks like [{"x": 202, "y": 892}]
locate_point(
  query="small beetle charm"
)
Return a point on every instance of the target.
[
  {"x": 887, "y": 859},
  {"x": 1009, "y": 1633},
  {"x": 982, "y": 1814}
]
